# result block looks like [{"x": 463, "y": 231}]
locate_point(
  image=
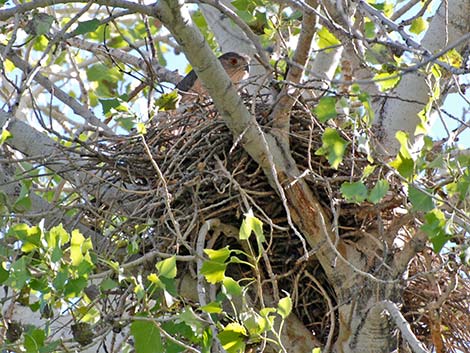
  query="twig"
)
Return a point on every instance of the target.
[{"x": 167, "y": 196}]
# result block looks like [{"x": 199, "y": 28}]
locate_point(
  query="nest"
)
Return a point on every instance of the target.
[
  {"x": 438, "y": 304},
  {"x": 190, "y": 162}
]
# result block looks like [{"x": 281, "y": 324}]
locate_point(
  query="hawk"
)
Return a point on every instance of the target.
[{"x": 236, "y": 66}]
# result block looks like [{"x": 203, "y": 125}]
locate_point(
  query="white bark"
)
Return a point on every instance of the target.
[
  {"x": 323, "y": 68},
  {"x": 412, "y": 93},
  {"x": 229, "y": 36}
]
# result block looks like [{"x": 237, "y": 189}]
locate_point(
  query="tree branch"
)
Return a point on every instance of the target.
[
  {"x": 161, "y": 72},
  {"x": 400, "y": 115},
  {"x": 31, "y": 142},
  {"x": 281, "y": 113},
  {"x": 28, "y": 6},
  {"x": 403, "y": 326},
  {"x": 55, "y": 91},
  {"x": 41, "y": 209}
]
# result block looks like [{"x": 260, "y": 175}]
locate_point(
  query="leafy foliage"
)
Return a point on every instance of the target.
[{"x": 94, "y": 138}]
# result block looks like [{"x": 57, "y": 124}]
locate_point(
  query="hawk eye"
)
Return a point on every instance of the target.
[{"x": 234, "y": 61}]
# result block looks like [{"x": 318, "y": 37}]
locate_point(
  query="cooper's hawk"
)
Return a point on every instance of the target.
[{"x": 234, "y": 64}]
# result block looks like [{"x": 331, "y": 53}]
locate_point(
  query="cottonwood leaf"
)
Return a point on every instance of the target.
[
  {"x": 334, "y": 147},
  {"x": 354, "y": 192}
]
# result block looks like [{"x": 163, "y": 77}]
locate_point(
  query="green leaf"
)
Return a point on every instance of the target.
[
  {"x": 435, "y": 227},
  {"x": 34, "y": 340},
  {"x": 167, "y": 268},
  {"x": 99, "y": 72},
  {"x": 403, "y": 138},
  {"x": 60, "y": 279},
  {"x": 232, "y": 287},
  {"x": 30, "y": 236},
  {"x": 106, "y": 78},
  {"x": 57, "y": 236},
  {"x": 418, "y": 25},
  {"x": 453, "y": 58},
  {"x": 76, "y": 254},
  {"x": 246, "y": 5},
  {"x": 5, "y": 135},
  {"x": 23, "y": 202},
  {"x": 404, "y": 163},
  {"x": 147, "y": 337},
  {"x": 74, "y": 287},
  {"x": 51, "y": 347},
  {"x": 326, "y": 39},
  {"x": 378, "y": 191},
  {"x": 108, "y": 284},
  {"x": 404, "y": 166},
  {"x": 354, "y": 192},
  {"x": 167, "y": 101},
  {"x": 108, "y": 104},
  {"x": 40, "y": 24},
  {"x": 220, "y": 255},
  {"x": 141, "y": 128},
  {"x": 368, "y": 170},
  {"x": 387, "y": 80},
  {"x": 19, "y": 273},
  {"x": 369, "y": 29},
  {"x": 87, "y": 26},
  {"x": 233, "y": 338},
  {"x": 213, "y": 271},
  {"x": 33, "y": 239},
  {"x": 254, "y": 323},
  {"x": 212, "y": 308},
  {"x": 284, "y": 307},
  {"x": 326, "y": 109},
  {"x": 191, "y": 319},
  {"x": 251, "y": 224},
  {"x": 179, "y": 329},
  {"x": 419, "y": 200},
  {"x": 334, "y": 146},
  {"x": 4, "y": 274}
]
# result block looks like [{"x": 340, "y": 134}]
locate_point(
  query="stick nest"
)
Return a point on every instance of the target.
[{"x": 187, "y": 169}]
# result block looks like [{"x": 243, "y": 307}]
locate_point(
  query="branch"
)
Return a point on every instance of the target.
[
  {"x": 226, "y": 11},
  {"x": 209, "y": 70},
  {"x": 161, "y": 72},
  {"x": 31, "y": 142},
  {"x": 238, "y": 38},
  {"x": 404, "y": 9},
  {"x": 281, "y": 113},
  {"x": 41, "y": 209},
  {"x": 55, "y": 91},
  {"x": 365, "y": 8},
  {"x": 403, "y": 326},
  {"x": 22, "y": 8},
  {"x": 416, "y": 244}
]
